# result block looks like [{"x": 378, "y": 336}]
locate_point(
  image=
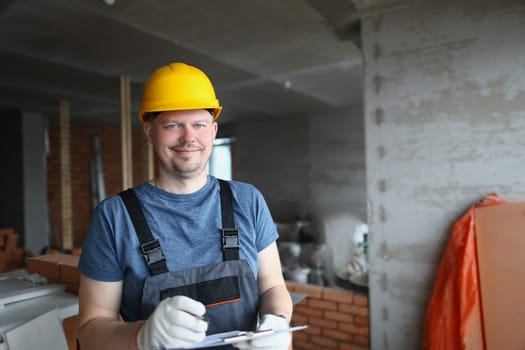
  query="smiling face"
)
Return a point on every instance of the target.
[{"x": 182, "y": 141}]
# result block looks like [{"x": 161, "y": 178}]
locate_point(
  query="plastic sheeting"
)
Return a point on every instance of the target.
[{"x": 454, "y": 318}]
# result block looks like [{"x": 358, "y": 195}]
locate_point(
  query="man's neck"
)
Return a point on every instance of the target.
[{"x": 180, "y": 186}]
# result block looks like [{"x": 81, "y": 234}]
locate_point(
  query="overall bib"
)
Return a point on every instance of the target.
[{"x": 228, "y": 288}]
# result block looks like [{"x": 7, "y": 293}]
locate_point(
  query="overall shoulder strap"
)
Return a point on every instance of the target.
[
  {"x": 229, "y": 233},
  {"x": 150, "y": 247}
]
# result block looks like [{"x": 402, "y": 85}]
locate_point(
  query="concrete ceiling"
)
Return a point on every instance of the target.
[{"x": 272, "y": 58}]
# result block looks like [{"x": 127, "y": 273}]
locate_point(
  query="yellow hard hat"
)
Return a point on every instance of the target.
[{"x": 178, "y": 86}]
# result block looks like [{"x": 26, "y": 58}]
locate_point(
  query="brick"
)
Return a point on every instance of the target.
[
  {"x": 354, "y": 329},
  {"x": 68, "y": 259},
  {"x": 12, "y": 243},
  {"x": 321, "y": 304},
  {"x": 323, "y": 323},
  {"x": 339, "y": 335},
  {"x": 8, "y": 239},
  {"x": 326, "y": 343},
  {"x": 361, "y": 321},
  {"x": 51, "y": 266},
  {"x": 69, "y": 271},
  {"x": 299, "y": 318},
  {"x": 338, "y": 295},
  {"x": 354, "y": 310},
  {"x": 11, "y": 259},
  {"x": 301, "y": 336},
  {"x": 348, "y": 346},
  {"x": 48, "y": 258},
  {"x": 312, "y": 330},
  {"x": 44, "y": 267},
  {"x": 310, "y": 290},
  {"x": 6, "y": 231},
  {"x": 72, "y": 288},
  {"x": 361, "y": 299},
  {"x": 360, "y": 340},
  {"x": 338, "y": 316},
  {"x": 305, "y": 345},
  {"x": 70, "y": 331},
  {"x": 309, "y": 311},
  {"x": 17, "y": 255}
]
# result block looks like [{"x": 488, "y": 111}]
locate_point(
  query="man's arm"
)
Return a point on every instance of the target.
[
  {"x": 274, "y": 296},
  {"x": 274, "y": 302},
  {"x": 98, "y": 324}
]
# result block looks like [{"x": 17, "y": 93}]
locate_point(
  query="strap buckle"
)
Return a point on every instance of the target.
[
  {"x": 152, "y": 252},
  {"x": 230, "y": 238}
]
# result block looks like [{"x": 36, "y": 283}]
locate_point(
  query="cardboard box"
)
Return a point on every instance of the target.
[{"x": 500, "y": 241}]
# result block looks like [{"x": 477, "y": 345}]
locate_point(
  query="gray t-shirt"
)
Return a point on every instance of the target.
[{"x": 187, "y": 226}]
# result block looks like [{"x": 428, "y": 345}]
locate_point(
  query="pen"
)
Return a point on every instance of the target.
[{"x": 246, "y": 336}]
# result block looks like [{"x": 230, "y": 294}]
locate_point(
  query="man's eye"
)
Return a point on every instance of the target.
[
  {"x": 199, "y": 126},
  {"x": 172, "y": 126}
]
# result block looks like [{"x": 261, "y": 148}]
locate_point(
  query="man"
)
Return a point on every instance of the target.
[{"x": 184, "y": 255}]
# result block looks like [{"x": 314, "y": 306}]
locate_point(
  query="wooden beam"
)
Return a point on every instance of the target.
[
  {"x": 125, "y": 125},
  {"x": 65, "y": 176}
]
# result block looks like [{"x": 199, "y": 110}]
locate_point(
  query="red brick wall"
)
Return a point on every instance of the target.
[
  {"x": 336, "y": 318},
  {"x": 81, "y": 154}
]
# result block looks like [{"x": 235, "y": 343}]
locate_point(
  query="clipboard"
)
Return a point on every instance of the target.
[{"x": 233, "y": 337}]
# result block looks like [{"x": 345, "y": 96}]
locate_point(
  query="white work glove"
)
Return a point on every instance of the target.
[
  {"x": 278, "y": 341},
  {"x": 173, "y": 324}
]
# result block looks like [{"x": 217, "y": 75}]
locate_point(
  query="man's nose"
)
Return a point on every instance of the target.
[{"x": 188, "y": 134}]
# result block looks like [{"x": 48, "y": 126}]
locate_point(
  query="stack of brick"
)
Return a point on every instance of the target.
[
  {"x": 57, "y": 268},
  {"x": 11, "y": 257},
  {"x": 337, "y": 318},
  {"x": 63, "y": 269}
]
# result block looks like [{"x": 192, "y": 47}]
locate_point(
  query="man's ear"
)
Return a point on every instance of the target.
[
  {"x": 148, "y": 130},
  {"x": 215, "y": 128}
]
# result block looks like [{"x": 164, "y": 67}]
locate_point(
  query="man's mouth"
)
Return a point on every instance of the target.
[{"x": 185, "y": 149}]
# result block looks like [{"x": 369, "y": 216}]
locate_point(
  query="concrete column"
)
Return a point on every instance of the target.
[
  {"x": 36, "y": 212},
  {"x": 445, "y": 126}
]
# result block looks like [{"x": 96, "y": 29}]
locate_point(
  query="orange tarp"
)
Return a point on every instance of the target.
[{"x": 454, "y": 314}]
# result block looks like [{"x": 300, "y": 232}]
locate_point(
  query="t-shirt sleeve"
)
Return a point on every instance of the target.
[
  {"x": 98, "y": 259},
  {"x": 265, "y": 226}
]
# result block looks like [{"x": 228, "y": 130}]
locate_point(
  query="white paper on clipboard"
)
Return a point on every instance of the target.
[{"x": 233, "y": 337}]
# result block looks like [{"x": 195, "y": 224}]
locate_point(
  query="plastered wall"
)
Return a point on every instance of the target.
[
  {"x": 309, "y": 168},
  {"x": 445, "y": 126},
  {"x": 337, "y": 181}
]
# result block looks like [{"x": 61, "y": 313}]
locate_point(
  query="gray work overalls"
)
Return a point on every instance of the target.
[{"x": 228, "y": 289}]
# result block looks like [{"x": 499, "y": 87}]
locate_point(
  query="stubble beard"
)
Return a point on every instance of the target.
[
  {"x": 186, "y": 168},
  {"x": 190, "y": 171}
]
